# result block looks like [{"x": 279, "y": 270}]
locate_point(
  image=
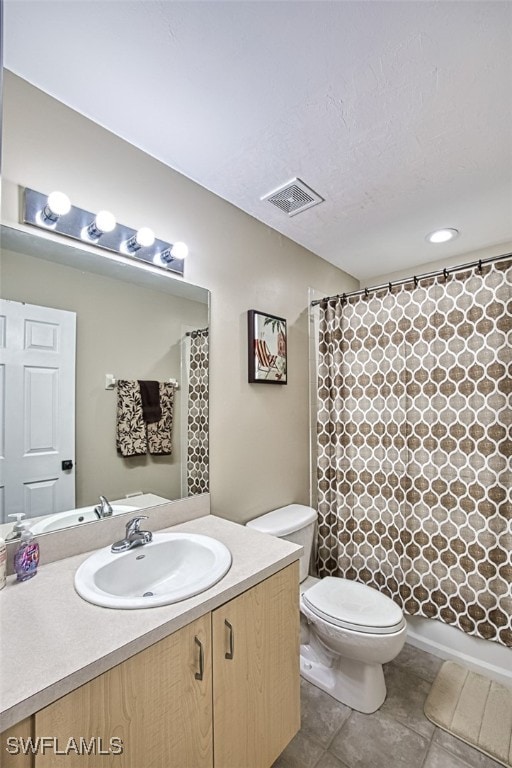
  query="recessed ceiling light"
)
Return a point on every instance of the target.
[{"x": 442, "y": 235}]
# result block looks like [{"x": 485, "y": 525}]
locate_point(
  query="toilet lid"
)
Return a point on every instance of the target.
[{"x": 355, "y": 606}]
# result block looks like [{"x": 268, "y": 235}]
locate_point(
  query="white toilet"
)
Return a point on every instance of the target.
[{"x": 348, "y": 630}]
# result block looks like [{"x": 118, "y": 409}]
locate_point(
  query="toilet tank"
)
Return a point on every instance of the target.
[{"x": 295, "y": 523}]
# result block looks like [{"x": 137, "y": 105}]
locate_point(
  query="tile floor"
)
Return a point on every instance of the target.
[{"x": 397, "y": 736}]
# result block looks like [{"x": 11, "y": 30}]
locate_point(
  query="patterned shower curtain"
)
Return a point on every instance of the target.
[
  {"x": 414, "y": 446},
  {"x": 197, "y": 443}
]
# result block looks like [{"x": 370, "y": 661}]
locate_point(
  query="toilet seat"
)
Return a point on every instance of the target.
[{"x": 353, "y": 606}]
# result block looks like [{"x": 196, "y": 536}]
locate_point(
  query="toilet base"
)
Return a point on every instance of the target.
[{"x": 360, "y": 686}]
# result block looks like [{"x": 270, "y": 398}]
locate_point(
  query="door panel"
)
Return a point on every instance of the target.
[
  {"x": 256, "y": 679},
  {"x": 20, "y": 733},
  {"x": 41, "y": 410},
  {"x": 37, "y": 408},
  {"x": 38, "y": 497},
  {"x": 154, "y": 702}
]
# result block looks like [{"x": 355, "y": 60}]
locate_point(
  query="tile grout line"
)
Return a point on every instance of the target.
[
  {"x": 319, "y": 758},
  {"x": 409, "y": 727},
  {"x": 314, "y": 738},
  {"x": 330, "y": 754},
  {"x": 339, "y": 729},
  {"x": 405, "y": 668},
  {"x": 428, "y": 749},
  {"x": 406, "y": 725}
]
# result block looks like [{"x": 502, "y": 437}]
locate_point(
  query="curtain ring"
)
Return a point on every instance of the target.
[
  {"x": 479, "y": 265},
  {"x": 390, "y": 286},
  {"x": 344, "y": 298},
  {"x": 445, "y": 273},
  {"x": 415, "y": 281},
  {"x": 366, "y": 292}
]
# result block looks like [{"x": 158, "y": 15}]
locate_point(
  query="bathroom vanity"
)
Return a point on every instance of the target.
[{"x": 212, "y": 681}]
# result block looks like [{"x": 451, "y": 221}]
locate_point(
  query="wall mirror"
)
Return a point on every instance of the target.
[{"x": 69, "y": 317}]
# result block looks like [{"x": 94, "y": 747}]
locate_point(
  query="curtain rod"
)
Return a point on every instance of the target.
[
  {"x": 192, "y": 334},
  {"x": 414, "y": 279}
]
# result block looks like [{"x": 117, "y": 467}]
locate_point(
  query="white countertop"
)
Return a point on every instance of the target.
[{"x": 52, "y": 641}]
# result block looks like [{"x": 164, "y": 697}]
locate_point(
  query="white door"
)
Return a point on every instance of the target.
[{"x": 37, "y": 409}]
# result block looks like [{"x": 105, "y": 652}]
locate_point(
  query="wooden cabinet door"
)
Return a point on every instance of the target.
[
  {"x": 154, "y": 702},
  {"x": 256, "y": 680},
  {"x": 12, "y": 754}
]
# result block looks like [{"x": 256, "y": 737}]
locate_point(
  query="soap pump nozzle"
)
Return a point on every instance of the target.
[{"x": 18, "y": 526}]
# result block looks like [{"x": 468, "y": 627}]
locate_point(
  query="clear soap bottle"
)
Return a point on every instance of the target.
[{"x": 3, "y": 563}]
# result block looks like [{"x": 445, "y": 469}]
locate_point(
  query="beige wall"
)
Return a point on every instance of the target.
[
  {"x": 259, "y": 446},
  {"x": 128, "y": 330}
]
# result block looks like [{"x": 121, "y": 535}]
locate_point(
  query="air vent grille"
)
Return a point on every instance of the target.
[{"x": 293, "y": 197}]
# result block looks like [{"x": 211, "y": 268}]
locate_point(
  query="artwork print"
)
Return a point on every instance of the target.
[{"x": 267, "y": 348}]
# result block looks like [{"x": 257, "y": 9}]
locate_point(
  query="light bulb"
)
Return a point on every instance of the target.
[
  {"x": 179, "y": 250},
  {"x": 176, "y": 251},
  {"x": 104, "y": 221},
  {"x": 57, "y": 204},
  {"x": 442, "y": 235},
  {"x": 143, "y": 238}
]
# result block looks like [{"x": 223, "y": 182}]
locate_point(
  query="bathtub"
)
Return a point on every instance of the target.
[{"x": 483, "y": 656}]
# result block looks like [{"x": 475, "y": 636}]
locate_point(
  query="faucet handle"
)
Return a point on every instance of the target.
[{"x": 133, "y": 526}]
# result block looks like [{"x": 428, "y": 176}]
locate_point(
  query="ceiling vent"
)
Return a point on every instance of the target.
[{"x": 293, "y": 197}]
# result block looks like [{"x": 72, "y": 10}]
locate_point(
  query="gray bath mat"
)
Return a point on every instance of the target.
[{"x": 474, "y": 709}]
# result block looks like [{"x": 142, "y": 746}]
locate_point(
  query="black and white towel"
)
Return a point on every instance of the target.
[{"x": 135, "y": 437}]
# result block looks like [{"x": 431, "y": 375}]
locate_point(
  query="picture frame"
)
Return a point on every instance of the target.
[{"x": 267, "y": 347}]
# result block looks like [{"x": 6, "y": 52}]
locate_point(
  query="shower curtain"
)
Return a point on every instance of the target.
[
  {"x": 414, "y": 446},
  {"x": 197, "y": 424}
]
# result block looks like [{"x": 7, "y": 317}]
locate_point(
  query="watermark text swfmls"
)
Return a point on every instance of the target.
[{"x": 41, "y": 745}]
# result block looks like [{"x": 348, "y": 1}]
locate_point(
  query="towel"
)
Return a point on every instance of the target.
[
  {"x": 159, "y": 434},
  {"x": 131, "y": 438},
  {"x": 150, "y": 395}
]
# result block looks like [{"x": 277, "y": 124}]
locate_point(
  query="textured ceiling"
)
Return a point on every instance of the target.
[{"x": 399, "y": 114}]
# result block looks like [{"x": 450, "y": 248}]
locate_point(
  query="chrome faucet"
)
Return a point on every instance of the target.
[
  {"x": 134, "y": 536},
  {"x": 103, "y": 509}
]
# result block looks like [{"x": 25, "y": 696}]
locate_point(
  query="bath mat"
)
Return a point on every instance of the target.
[{"x": 474, "y": 709}]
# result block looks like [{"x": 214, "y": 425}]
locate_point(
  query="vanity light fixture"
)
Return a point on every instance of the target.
[
  {"x": 57, "y": 205},
  {"x": 55, "y": 213},
  {"x": 442, "y": 235}
]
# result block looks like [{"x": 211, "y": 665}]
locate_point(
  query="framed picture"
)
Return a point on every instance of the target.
[{"x": 267, "y": 348}]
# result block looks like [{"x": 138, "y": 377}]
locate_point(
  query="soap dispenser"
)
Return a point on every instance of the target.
[
  {"x": 26, "y": 558},
  {"x": 17, "y": 528},
  {"x": 3, "y": 563}
]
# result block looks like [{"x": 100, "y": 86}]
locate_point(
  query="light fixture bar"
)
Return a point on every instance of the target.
[{"x": 76, "y": 223}]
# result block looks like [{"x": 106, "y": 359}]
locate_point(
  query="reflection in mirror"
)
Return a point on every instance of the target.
[{"x": 69, "y": 319}]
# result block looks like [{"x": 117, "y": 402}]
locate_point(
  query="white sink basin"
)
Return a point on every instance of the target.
[
  {"x": 173, "y": 567},
  {"x": 74, "y": 517}
]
